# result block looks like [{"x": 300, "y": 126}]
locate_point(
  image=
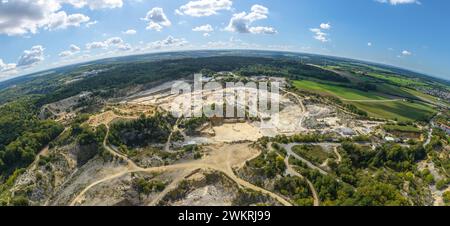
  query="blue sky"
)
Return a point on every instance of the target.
[{"x": 36, "y": 35}]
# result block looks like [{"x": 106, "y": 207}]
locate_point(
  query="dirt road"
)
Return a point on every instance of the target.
[
  {"x": 289, "y": 147},
  {"x": 292, "y": 172},
  {"x": 220, "y": 158}
]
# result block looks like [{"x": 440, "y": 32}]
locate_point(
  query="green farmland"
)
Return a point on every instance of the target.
[
  {"x": 375, "y": 104},
  {"x": 336, "y": 90}
]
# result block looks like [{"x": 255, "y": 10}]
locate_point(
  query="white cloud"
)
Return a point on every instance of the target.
[
  {"x": 201, "y": 8},
  {"x": 61, "y": 20},
  {"x": 319, "y": 34},
  {"x": 65, "y": 54},
  {"x": 96, "y": 4},
  {"x": 96, "y": 45},
  {"x": 400, "y": 2},
  {"x": 204, "y": 28},
  {"x": 263, "y": 30},
  {"x": 73, "y": 49},
  {"x": 4, "y": 67},
  {"x": 114, "y": 42},
  {"x": 130, "y": 32},
  {"x": 157, "y": 19},
  {"x": 231, "y": 43},
  {"x": 325, "y": 26},
  {"x": 32, "y": 56},
  {"x": 20, "y": 17},
  {"x": 169, "y": 42},
  {"x": 124, "y": 47},
  {"x": 241, "y": 22},
  {"x": 90, "y": 24},
  {"x": 406, "y": 53}
]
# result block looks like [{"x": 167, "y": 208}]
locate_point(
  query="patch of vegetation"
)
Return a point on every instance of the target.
[
  {"x": 446, "y": 197},
  {"x": 337, "y": 90},
  {"x": 270, "y": 163},
  {"x": 401, "y": 128},
  {"x": 146, "y": 187},
  {"x": 295, "y": 188},
  {"x": 143, "y": 131},
  {"x": 192, "y": 124},
  {"x": 22, "y": 134},
  {"x": 397, "y": 110},
  {"x": 378, "y": 105},
  {"x": 312, "y": 153}
]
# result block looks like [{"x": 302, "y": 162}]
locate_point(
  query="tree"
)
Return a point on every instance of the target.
[{"x": 379, "y": 194}]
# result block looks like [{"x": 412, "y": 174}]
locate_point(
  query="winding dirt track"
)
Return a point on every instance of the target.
[
  {"x": 335, "y": 150},
  {"x": 300, "y": 101},
  {"x": 221, "y": 158},
  {"x": 292, "y": 172}
]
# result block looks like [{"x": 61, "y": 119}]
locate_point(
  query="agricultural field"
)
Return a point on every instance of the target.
[
  {"x": 376, "y": 104},
  {"x": 337, "y": 90},
  {"x": 397, "y": 110}
]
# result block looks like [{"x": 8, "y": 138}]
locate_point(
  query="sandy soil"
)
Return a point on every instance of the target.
[{"x": 236, "y": 132}]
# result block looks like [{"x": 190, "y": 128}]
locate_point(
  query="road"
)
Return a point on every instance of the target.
[
  {"x": 131, "y": 164},
  {"x": 430, "y": 132},
  {"x": 221, "y": 159},
  {"x": 300, "y": 101},
  {"x": 289, "y": 147},
  {"x": 292, "y": 172},
  {"x": 335, "y": 150}
]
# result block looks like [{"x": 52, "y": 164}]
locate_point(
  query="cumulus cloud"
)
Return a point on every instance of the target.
[
  {"x": 231, "y": 43},
  {"x": 202, "y": 8},
  {"x": 325, "y": 26},
  {"x": 96, "y": 4},
  {"x": 19, "y": 17},
  {"x": 241, "y": 22},
  {"x": 157, "y": 19},
  {"x": 92, "y": 23},
  {"x": 319, "y": 34},
  {"x": 113, "y": 41},
  {"x": 124, "y": 47},
  {"x": 169, "y": 42},
  {"x": 206, "y": 29},
  {"x": 73, "y": 49},
  {"x": 96, "y": 45},
  {"x": 129, "y": 32},
  {"x": 61, "y": 20},
  {"x": 400, "y": 2},
  {"x": 65, "y": 54},
  {"x": 4, "y": 67},
  {"x": 32, "y": 56},
  {"x": 110, "y": 43},
  {"x": 406, "y": 53}
]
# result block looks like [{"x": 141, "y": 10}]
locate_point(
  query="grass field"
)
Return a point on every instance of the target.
[
  {"x": 423, "y": 96},
  {"x": 397, "y": 80},
  {"x": 400, "y": 128},
  {"x": 339, "y": 91},
  {"x": 399, "y": 110},
  {"x": 312, "y": 153},
  {"x": 395, "y": 110}
]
